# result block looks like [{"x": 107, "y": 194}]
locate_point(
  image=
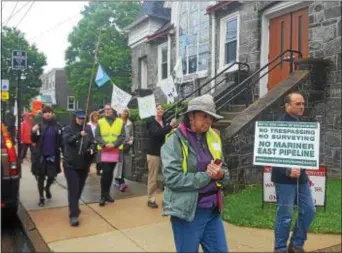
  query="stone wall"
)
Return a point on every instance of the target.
[{"x": 325, "y": 42}]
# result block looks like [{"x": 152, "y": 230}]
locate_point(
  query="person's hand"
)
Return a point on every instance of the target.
[
  {"x": 109, "y": 146},
  {"x": 35, "y": 128},
  {"x": 295, "y": 172},
  {"x": 83, "y": 133},
  {"x": 130, "y": 142},
  {"x": 173, "y": 123},
  {"x": 215, "y": 171}
]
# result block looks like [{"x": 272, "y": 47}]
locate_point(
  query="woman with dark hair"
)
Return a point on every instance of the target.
[
  {"x": 47, "y": 138},
  {"x": 76, "y": 161}
]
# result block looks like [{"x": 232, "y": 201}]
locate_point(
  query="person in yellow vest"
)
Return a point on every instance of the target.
[
  {"x": 109, "y": 133},
  {"x": 194, "y": 173}
]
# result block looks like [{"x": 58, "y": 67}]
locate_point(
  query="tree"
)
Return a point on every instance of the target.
[
  {"x": 113, "y": 54},
  {"x": 13, "y": 39}
]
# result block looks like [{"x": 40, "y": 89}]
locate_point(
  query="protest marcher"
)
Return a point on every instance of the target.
[
  {"x": 47, "y": 139},
  {"x": 94, "y": 117},
  {"x": 194, "y": 173},
  {"x": 10, "y": 124},
  {"x": 127, "y": 156},
  {"x": 25, "y": 135},
  {"x": 76, "y": 161},
  {"x": 292, "y": 185},
  {"x": 157, "y": 129},
  {"x": 109, "y": 135}
]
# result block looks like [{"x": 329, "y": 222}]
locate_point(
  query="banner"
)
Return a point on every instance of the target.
[
  {"x": 147, "y": 106},
  {"x": 120, "y": 99},
  {"x": 287, "y": 144},
  {"x": 101, "y": 76},
  {"x": 169, "y": 89},
  {"x": 317, "y": 181}
]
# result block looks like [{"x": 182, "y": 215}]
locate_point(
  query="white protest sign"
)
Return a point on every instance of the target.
[
  {"x": 317, "y": 181},
  {"x": 147, "y": 106},
  {"x": 4, "y": 85},
  {"x": 287, "y": 144},
  {"x": 169, "y": 89},
  {"x": 120, "y": 99}
]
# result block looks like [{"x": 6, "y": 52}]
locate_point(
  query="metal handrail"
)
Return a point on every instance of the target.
[
  {"x": 253, "y": 75},
  {"x": 206, "y": 83}
]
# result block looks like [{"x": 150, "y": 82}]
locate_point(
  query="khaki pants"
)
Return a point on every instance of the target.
[{"x": 153, "y": 164}]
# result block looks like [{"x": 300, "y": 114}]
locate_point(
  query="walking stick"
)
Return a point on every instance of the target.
[{"x": 91, "y": 83}]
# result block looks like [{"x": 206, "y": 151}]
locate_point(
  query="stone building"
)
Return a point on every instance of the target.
[{"x": 210, "y": 36}]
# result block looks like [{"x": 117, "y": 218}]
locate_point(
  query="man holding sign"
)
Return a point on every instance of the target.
[{"x": 292, "y": 187}]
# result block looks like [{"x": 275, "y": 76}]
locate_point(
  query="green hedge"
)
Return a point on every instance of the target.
[{"x": 134, "y": 113}]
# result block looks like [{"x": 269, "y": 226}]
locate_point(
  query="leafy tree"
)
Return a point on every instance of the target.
[
  {"x": 13, "y": 39},
  {"x": 114, "y": 54}
]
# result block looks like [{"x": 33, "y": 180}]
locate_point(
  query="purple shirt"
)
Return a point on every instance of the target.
[
  {"x": 199, "y": 144},
  {"x": 49, "y": 145}
]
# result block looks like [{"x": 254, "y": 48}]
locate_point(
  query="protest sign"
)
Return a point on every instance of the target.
[
  {"x": 169, "y": 89},
  {"x": 147, "y": 106},
  {"x": 287, "y": 144},
  {"x": 317, "y": 181},
  {"x": 120, "y": 99}
]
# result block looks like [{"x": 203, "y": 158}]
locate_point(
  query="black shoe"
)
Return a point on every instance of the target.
[
  {"x": 74, "y": 221},
  {"x": 102, "y": 201},
  {"x": 48, "y": 193},
  {"x": 152, "y": 204},
  {"x": 293, "y": 249},
  {"x": 108, "y": 198},
  {"x": 41, "y": 202}
]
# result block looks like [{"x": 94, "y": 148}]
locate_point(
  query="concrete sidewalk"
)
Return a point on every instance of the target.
[{"x": 127, "y": 225}]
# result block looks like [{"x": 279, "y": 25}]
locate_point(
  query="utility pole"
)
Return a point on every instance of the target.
[{"x": 18, "y": 97}]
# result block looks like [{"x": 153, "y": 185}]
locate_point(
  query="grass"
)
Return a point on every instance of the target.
[{"x": 244, "y": 209}]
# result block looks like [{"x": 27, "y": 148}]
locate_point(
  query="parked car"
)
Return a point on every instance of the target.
[{"x": 10, "y": 175}]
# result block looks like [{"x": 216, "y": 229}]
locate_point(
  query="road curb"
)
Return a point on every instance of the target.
[{"x": 35, "y": 238}]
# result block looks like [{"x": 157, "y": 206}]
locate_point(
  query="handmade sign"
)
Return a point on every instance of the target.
[
  {"x": 147, "y": 106},
  {"x": 110, "y": 155},
  {"x": 120, "y": 99},
  {"x": 287, "y": 144},
  {"x": 169, "y": 89}
]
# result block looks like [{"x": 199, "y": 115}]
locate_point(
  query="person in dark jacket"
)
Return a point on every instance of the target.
[
  {"x": 46, "y": 138},
  {"x": 288, "y": 183},
  {"x": 157, "y": 129},
  {"x": 76, "y": 162}
]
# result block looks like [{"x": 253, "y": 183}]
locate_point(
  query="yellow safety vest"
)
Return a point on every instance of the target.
[
  {"x": 110, "y": 133},
  {"x": 214, "y": 144}
]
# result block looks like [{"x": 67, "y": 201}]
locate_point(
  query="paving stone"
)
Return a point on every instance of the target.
[{"x": 53, "y": 224}]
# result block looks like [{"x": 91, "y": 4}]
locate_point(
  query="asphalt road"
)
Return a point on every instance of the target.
[{"x": 13, "y": 238}]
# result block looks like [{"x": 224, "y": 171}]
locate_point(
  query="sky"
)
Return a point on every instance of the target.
[{"x": 46, "y": 24}]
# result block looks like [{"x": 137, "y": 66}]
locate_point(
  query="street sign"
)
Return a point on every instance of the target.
[
  {"x": 4, "y": 96},
  {"x": 19, "y": 60},
  {"x": 4, "y": 85}
]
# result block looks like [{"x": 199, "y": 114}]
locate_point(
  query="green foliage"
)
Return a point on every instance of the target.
[
  {"x": 13, "y": 39},
  {"x": 249, "y": 200},
  {"x": 111, "y": 18}
]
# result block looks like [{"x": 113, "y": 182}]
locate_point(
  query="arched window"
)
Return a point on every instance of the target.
[{"x": 193, "y": 32}]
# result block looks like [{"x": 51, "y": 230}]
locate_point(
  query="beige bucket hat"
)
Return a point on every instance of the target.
[{"x": 204, "y": 103}]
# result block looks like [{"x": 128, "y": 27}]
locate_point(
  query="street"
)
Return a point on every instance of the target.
[{"x": 13, "y": 238}]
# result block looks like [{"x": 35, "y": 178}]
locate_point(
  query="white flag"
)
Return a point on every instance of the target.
[
  {"x": 178, "y": 69},
  {"x": 147, "y": 106},
  {"x": 169, "y": 89},
  {"x": 15, "y": 112},
  {"x": 120, "y": 99}
]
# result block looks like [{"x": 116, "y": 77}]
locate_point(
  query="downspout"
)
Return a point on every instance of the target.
[{"x": 213, "y": 50}]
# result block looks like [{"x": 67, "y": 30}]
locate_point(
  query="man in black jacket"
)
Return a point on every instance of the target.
[
  {"x": 157, "y": 129},
  {"x": 76, "y": 162},
  {"x": 288, "y": 183}
]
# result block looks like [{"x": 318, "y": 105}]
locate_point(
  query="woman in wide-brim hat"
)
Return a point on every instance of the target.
[{"x": 194, "y": 174}]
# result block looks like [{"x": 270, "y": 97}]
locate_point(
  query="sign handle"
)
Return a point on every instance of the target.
[
  {"x": 326, "y": 188},
  {"x": 262, "y": 188}
]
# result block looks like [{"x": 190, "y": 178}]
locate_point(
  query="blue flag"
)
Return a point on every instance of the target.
[{"x": 101, "y": 76}]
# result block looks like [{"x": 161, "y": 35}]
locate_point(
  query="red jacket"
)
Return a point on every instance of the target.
[{"x": 26, "y": 127}]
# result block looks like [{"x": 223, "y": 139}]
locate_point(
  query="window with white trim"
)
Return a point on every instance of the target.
[
  {"x": 193, "y": 36},
  {"x": 71, "y": 106},
  {"x": 229, "y": 39},
  {"x": 162, "y": 61}
]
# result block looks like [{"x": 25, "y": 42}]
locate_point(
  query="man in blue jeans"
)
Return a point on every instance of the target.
[{"x": 292, "y": 184}]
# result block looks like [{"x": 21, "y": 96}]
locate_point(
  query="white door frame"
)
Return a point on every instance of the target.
[{"x": 275, "y": 11}]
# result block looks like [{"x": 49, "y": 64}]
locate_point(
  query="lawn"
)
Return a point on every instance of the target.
[{"x": 244, "y": 209}]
